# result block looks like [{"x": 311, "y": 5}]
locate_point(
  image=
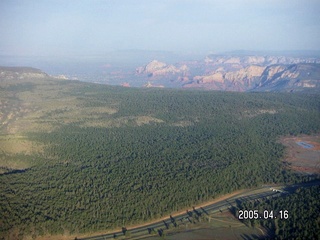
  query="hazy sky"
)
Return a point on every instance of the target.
[{"x": 54, "y": 27}]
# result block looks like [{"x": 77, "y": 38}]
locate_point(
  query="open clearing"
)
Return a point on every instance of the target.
[
  {"x": 17, "y": 152},
  {"x": 303, "y": 153}
]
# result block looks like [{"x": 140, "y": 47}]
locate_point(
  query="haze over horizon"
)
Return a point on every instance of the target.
[{"x": 60, "y": 28}]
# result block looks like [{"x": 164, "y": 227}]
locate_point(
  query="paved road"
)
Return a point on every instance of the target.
[{"x": 191, "y": 214}]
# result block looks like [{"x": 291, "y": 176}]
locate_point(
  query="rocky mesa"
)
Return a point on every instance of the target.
[
  {"x": 290, "y": 77},
  {"x": 238, "y": 73},
  {"x": 157, "y": 68}
]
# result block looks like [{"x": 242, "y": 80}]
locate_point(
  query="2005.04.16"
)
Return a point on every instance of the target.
[{"x": 266, "y": 214}]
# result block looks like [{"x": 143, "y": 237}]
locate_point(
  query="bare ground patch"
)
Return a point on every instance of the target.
[
  {"x": 122, "y": 121},
  {"x": 254, "y": 113},
  {"x": 12, "y": 144},
  {"x": 182, "y": 124},
  {"x": 15, "y": 151},
  {"x": 299, "y": 158}
]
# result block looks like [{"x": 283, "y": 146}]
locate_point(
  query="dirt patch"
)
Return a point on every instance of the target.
[
  {"x": 254, "y": 113},
  {"x": 121, "y": 121},
  {"x": 302, "y": 159},
  {"x": 141, "y": 120},
  {"x": 16, "y": 152},
  {"x": 15, "y": 144},
  {"x": 182, "y": 124},
  {"x": 49, "y": 237}
]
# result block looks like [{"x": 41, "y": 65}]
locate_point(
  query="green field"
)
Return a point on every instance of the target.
[{"x": 78, "y": 158}]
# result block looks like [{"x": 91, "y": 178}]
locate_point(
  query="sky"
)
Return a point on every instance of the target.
[{"x": 88, "y": 27}]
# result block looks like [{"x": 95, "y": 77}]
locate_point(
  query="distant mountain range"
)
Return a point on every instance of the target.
[
  {"x": 223, "y": 72},
  {"x": 236, "y": 73}
]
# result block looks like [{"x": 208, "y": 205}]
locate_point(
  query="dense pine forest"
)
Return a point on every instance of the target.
[{"x": 116, "y": 156}]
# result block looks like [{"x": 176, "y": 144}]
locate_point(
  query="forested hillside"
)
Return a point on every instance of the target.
[{"x": 109, "y": 157}]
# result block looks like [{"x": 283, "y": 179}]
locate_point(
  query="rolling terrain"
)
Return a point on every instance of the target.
[{"x": 78, "y": 158}]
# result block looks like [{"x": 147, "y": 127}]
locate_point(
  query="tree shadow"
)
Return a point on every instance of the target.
[
  {"x": 166, "y": 224},
  {"x": 251, "y": 237},
  {"x": 189, "y": 213},
  {"x": 160, "y": 232},
  {"x": 15, "y": 171},
  {"x": 124, "y": 230},
  {"x": 238, "y": 202},
  {"x": 233, "y": 209},
  {"x": 151, "y": 231},
  {"x": 269, "y": 232},
  {"x": 196, "y": 212},
  {"x": 173, "y": 221},
  {"x": 203, "y": 210}
]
